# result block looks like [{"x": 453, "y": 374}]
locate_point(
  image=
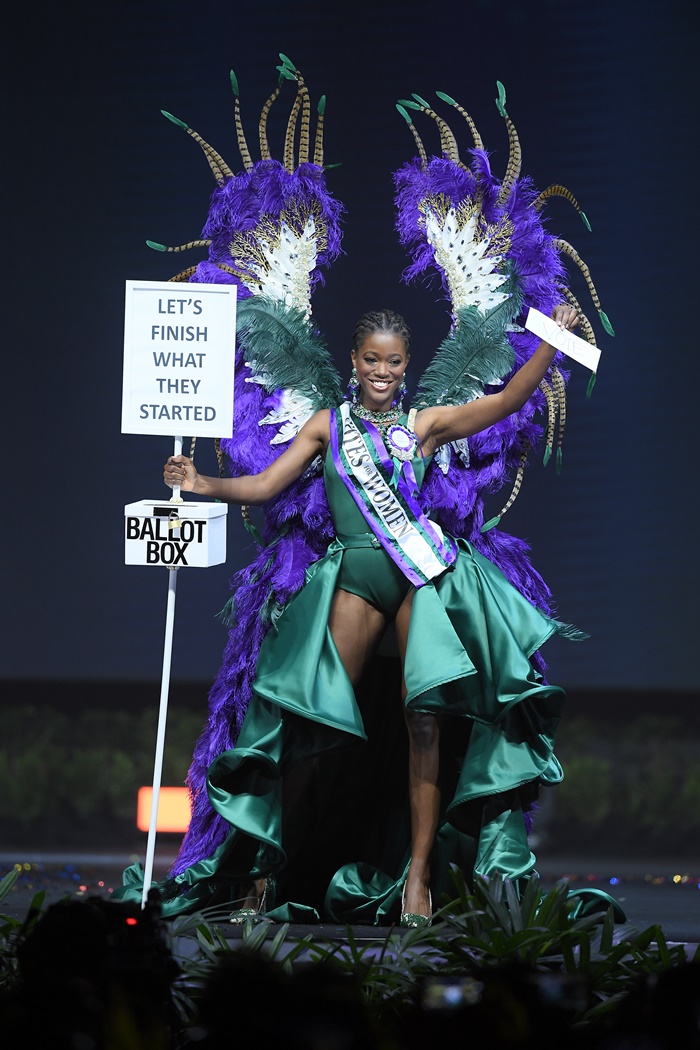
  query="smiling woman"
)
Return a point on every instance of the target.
[
  {"x": 375, "y": 516},
  {"x": 389, "y": 563},
  {"x": 380, "y": 354}
]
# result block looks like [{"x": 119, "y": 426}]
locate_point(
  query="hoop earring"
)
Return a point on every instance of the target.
[{"x": 353, "y": 386}]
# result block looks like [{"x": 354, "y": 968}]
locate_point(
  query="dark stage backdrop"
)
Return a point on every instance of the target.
[{"x": 603, "y": 95}]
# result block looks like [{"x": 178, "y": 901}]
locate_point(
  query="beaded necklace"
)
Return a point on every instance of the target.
[
  {"x": 381, "y": 420},
  {"x": 401, "y": 441}
]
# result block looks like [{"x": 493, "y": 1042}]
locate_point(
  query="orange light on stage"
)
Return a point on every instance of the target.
[{"x": 173, "y": 809}]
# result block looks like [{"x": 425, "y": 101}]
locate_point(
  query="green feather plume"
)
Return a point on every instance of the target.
[
  {"x": 287, "y": 350},
  {"x": 475, "y": 354}
]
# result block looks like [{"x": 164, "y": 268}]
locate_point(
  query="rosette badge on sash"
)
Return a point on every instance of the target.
[{"x": 402, "y": 442}]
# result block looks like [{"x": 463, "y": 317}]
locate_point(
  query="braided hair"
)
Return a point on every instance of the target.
[{"x": 381, "y": 321}]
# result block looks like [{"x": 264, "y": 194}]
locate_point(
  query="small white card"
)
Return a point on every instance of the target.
[{"x": 578, "y": 349}]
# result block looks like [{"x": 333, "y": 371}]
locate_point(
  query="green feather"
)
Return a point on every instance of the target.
[
  {"x": 547, "y": 454},
  {"x": 591, "y": 385},
  {"x": 287, "y": 349},
  {"x": 475, "y": 354},
  {"x": 287, "y": 62},
  {"x": 446, "y": 98},
  {"x": 501, "y": 100},
  {"x": 253, "y": 531},
  {"x": 228, "y": 613},
  {"x": 156, "y": 247},
  {"x": 234, "y": 83},
  {"x": 421, "y": 100},
  {"x": 175, "y": 120},
  {"x": 285, "y": 72},
  {"x": 584, "y": 220},
  {"x": 490, "y": 524},
  {"x": 409, "y": 102},
  {"x": 328, "y": 167},
  {"x": 559, "y": 460},
  {"x": 606, "y": 322},
  {"x": 321, "y": 108},
  {"x": 403, "y": 113}
]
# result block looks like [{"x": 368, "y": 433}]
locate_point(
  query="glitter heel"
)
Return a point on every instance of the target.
[
  {"x": 241, "y": 915},
  {"x": 410, "y": 920}
]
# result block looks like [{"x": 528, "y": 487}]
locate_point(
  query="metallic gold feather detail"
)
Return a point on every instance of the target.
[
  {"x": 254, "y": 252},
  {"x": 499, "y": 234},
  {"x": 467, "y": 249}
]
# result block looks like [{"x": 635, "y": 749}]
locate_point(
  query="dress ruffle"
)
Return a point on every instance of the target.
[{"x": 470, "y": 639}]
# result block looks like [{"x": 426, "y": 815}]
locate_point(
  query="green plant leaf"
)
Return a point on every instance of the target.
[
  {"x": 515, "y": 915},
  {"x": 8, "y": 882}
]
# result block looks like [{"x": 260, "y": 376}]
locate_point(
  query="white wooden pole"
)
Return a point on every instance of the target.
[{"x": 163, "y": 709}]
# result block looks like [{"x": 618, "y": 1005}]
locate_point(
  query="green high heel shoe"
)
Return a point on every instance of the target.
[
  {"x": 241, "y": 915},
  {"x": 411, "y": 921}
]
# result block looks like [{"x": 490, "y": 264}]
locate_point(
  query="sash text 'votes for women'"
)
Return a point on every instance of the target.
[{"x": 380, "y": 495}]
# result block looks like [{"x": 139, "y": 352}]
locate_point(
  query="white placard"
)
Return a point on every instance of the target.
[
  {"x": 578, "y": 349},
  {"x": 179, "y": 349}
]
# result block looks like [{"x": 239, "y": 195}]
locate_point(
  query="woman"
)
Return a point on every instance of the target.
[{"x": 374, "y": 580}]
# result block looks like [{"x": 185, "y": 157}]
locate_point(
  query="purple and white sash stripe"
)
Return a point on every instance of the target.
[{"x": 411, "y": 540}]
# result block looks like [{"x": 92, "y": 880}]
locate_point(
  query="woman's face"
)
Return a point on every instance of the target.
[{"x": 380, "y": 362}]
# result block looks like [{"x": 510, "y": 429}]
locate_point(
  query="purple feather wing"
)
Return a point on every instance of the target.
[
  {"x": 298, "y": 526},
  {"x": 519, "y": 242}
]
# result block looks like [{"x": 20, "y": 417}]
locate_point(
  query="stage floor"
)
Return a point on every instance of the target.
[{"x": 650, "y": 891}]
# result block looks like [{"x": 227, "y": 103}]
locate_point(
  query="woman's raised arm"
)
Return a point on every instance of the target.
[
  {"x": 311, "y": 441},
  {"x": 437, "y": 426}
]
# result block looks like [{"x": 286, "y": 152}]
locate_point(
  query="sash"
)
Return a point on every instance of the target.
[{"x": 411, "y": 540}]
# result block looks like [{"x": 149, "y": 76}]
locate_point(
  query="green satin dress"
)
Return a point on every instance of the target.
[{"x": 316, "y": 787}]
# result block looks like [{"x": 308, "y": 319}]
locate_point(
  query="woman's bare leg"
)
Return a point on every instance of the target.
[
  {"x": 423, "y": 790},
  {"x": 356, "y": 628}
]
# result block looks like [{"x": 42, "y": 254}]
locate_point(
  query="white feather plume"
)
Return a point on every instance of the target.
[{"x": 470, "y": 272}]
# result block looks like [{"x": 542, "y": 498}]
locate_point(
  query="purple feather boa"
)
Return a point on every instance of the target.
[
  {"x": 298, "y": 525},
  {"x": 298, "y": 530}
]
